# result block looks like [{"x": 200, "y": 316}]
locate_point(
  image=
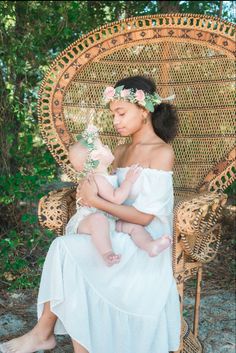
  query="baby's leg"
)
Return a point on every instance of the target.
[
  {"x": 143, "y": 239},
  {"x": 97, "y": 226}
]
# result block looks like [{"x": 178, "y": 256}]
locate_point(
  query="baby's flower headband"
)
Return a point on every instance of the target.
[
  {"x": 88, "y": 139},
  {"x": 146, "y": 100}
]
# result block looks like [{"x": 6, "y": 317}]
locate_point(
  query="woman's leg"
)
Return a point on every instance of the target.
[
  {"x": 39, "y": 338},
  {"x": 143, "y": 239},
  {"x": 78, "y": 348},
  {"x": 97, "y": 226}
]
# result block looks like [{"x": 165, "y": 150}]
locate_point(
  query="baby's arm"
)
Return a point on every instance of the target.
[{"x": 118, "y": 195}]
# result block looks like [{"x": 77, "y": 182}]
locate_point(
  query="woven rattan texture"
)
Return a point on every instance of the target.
[
  {"x": 189, "y": 55},
  {"x": 198, "y": 224},
  {"x": 191, "y": 344}
]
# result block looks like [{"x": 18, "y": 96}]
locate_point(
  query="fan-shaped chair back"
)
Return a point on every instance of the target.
[{"x": 189, "y": 55}]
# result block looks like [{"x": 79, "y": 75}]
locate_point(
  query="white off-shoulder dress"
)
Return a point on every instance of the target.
[{"x": 131, "y": 307}]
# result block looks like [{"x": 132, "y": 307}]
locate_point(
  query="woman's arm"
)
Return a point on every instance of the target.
[
  {"x": 123, "y": 212},
  {"x": 88, "y": 196}
]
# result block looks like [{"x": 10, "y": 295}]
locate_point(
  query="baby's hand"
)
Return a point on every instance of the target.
[
  {"x": 133, "y": 173},
  {"x": 113, "y": 172}
]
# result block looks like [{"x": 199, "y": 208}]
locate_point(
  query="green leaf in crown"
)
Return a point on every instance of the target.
[
  {"x": 149, "y": 106},
  {"x": 119, "y": 89},
  {"x": 94, "y": 163}
]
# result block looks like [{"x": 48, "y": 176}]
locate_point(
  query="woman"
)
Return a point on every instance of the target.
[{"x": 132, "y": 307}]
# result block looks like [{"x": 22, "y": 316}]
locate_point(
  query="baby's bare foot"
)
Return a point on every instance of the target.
[
  {"x": 29, "y": 343},
  {"x": 158, "y": 245},
  {"x": 111, "y": 258}
]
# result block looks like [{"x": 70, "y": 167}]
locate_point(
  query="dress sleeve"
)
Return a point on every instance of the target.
[{"x": 156, "y": 193}]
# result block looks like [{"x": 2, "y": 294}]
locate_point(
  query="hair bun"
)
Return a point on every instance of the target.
[{"x": 165, "y": 121}]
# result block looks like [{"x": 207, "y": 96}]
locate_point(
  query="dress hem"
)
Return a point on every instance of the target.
[
  {"x": 170, "y": 350},
  {"x": 104, "y": 299}
]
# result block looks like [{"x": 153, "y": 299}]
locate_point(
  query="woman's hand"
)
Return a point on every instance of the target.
[{"x": 87, "y": 192}]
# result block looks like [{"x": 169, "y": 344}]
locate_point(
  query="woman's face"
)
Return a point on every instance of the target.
[{"x": 127, "y": 117}]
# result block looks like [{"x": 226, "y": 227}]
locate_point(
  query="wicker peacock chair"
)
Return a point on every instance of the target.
[{"x": 189, "y": 55}]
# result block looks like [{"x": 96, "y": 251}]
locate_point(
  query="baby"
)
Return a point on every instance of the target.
[{"x": 90, "y": 155}]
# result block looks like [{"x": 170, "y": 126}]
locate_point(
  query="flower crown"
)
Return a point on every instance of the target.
[
  {"x": 87, "y": 139},
  {"x": 146, "y": 100}
]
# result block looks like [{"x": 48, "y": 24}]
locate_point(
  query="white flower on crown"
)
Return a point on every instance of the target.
[
  {"x": 143, "y": 103},
  {"x": 92, "y": 129}
]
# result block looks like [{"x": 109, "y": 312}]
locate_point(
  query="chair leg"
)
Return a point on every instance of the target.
[
  {"x": 197, "y": 302},
  {"x": 181, "y": 296}
]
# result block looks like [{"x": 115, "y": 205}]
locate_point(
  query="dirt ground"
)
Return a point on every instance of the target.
[{"x": 217, "y": 312}]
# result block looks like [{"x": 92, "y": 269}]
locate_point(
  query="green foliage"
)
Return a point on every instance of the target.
[
  {"x": 33, "y": 33},
  {"x": 231, "y": 192},
  {"x": 210, "y": 8},
  {"x": 23, "y": 254}
]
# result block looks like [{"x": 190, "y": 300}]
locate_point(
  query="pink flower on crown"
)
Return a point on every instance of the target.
[
  {"x": 109, "y": 93},
  {"x": 124, "y": 93},
  {"x": 139, "y": 95}
]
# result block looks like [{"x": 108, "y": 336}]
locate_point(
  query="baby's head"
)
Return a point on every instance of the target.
[
  {"x": 89, "y": 154},
  {"x": 77, "y": 156}
]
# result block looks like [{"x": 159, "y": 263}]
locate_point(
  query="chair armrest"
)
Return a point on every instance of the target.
[
  {"x": 56, "y": 208},
  {"x": 198, "y": 225}
]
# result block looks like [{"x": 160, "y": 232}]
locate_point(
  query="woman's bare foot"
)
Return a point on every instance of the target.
[
  {"x": 29, "y": 343},
  {"x": 158, "y": 245},
  {"x": 111, "y": 258}
]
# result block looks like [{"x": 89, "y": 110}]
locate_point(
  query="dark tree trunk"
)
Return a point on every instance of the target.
[
  {"x": 6, "y": 122},
  {"x": 10, "y": 101},
  {"x": 168, "y": 6},
  {"x": 9, "y": 124},
  {"x": 220, "y": 9}
]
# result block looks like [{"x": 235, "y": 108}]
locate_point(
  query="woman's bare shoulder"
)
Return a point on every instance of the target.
[{"x": 162, "y": 157}]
